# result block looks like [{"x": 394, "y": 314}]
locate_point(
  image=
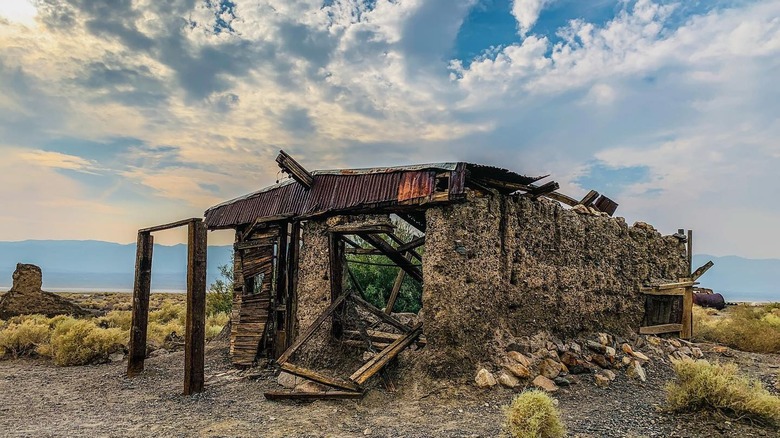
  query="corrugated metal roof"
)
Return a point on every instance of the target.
[{"x": 348, "y": 189}]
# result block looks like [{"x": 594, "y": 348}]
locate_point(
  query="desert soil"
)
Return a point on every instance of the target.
[{"x": 39, "y": 399}]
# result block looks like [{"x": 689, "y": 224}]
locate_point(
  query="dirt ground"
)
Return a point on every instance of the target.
[{"x": 39, "y": 399}]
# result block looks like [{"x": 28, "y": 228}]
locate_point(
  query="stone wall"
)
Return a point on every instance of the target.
[
  {"x": 498, "y": 268},
  {"x": 314, "y": 292}
]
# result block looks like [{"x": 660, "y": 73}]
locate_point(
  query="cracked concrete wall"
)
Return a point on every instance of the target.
[{"x": 499, "y": 268}]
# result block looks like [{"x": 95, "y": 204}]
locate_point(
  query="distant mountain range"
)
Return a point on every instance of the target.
[{"x": 88, "y": 265}]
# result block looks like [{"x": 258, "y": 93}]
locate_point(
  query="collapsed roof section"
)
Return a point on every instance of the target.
[{"x": 390, "y": 189}]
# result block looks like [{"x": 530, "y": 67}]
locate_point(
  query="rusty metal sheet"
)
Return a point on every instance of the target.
[
  {"x": 416, "y": 185},
  {"x": 348, "y": 189}
]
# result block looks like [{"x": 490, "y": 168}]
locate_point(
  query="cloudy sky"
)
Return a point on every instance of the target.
[{"x": 118, "y": 114}]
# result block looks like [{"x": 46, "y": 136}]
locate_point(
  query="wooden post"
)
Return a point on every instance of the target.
[
  {"x": 336, "y": 253},
  {"x": 195, "y": 338},
  {"x": 687, "y": 314},
  {"x": 141, "y": 289},
  {"x": 279, "y": 312},
  {"x": 690, "y": 251},
  {"x": 292, "y": 282},
  {"x": 399, "y": 280}
]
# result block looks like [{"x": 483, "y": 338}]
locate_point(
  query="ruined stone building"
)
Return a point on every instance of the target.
[{"x": 499, "y": 256}]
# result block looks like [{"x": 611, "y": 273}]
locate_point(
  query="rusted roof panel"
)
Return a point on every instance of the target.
[{"x": 348, "y": 189}]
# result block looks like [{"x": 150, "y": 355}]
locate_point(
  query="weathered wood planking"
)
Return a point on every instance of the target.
[
  {"x": 380, "y": 314},
  {"x": 701, "y": 270},
  {"x": 399, "y": 281},
  {"x": 295, "y": 170},
  {"x": 393, "y": 255},
  {"x": 669, "y": 292},
  {"x": 660, "y": 329},
  {"x": 310, "y": 331},
  {"x": 318, "y": 377},
  {"x": 295, "y": 395},
  {"x": 383, "y": 357}
]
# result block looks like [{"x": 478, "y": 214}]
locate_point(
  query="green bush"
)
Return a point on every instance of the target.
[
  {"x": 704, "y": 386},
  {"x": 533, "y": 414},
  {"x": 23, "y": 337},
  {"x": 219, "y": 298}
]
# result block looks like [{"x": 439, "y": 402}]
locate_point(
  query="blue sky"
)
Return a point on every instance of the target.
[{"x": 118, "y": 115}]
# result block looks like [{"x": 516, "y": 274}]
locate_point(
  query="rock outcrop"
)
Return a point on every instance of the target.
[{"x": 27, "y": 298}]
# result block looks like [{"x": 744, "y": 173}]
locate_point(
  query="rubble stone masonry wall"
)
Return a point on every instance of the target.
[{"x": 498, "y": 268}]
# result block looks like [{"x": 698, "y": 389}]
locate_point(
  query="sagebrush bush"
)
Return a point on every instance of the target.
[
  {"x": 122, "y": 319},
  {"x": 79, "y": 342},
  {"x": 23, "y": 337},
  {"x": 701, "y": 385},
  {"x": 747, "y": 328},
  {"x": 533, "y": 414},
  {"x": 70, "y": 341}
]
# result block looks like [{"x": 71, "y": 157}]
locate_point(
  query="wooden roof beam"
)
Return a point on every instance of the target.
[{"x": 295, "y": 170}]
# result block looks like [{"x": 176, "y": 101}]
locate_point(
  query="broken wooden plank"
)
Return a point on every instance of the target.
[
  {"x": 701, "y": 270},
  {"x": 564, "y": 199},
  {"x": 544, "y": 189},
  {"x": 295, "y": 170},
  {"x": 380, "y": 314},
  {"x": 400, "y": 241},
  {"x": 670, "y": 285},
  {"x": 380, "y": 360},
  {"x": 312, "y": 395},
  {"x": 265, "y": 220},
  {"x": 360, "y": 344},
  {"x": 393, "y": 255},
  {"x": 378, "y": 336},
  {"x": 414, "y": 243},
  {"x": 362, "y": 228},
  {"x": 605, "y": 205},
  {"x": 399, "y": 281},
  {"x": 589, "y": 198},
  {"x": 363, "y": 251},
  {"x": 660, "y": 329},
  {"x": 318, "y": 377},
  {"x": 310, "y": 331}
]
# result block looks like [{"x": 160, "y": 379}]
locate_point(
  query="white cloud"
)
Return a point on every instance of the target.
[
  {"x": 526, "y": 12},
  {"x": 369, "y": 83}
]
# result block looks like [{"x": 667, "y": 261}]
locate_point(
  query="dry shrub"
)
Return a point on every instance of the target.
[
  {"x": 704, "y": 386},
  {"x": 533, "y": 414},
  {"x": 121, "y": 319},
  {"x": 215, "y": 323},
  {"x": 23, "y": 337},
  {"x": 79, "y": 342},
  {"x": 169, "y": 311},
  {"x": 746, "y": 328}
]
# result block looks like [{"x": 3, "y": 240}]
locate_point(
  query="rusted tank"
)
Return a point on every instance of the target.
[{"x": 715, "y": 301}]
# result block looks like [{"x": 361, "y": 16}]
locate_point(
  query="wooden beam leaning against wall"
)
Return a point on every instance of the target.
[{"x": 295, "y": 170}]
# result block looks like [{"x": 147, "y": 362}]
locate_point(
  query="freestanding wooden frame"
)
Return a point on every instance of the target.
[{"x": 195, "y": 332}]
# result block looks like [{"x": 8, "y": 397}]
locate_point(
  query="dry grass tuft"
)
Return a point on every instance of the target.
[
  {"x": 704, "y": 386},
  {"x": 746, "y": 328},
  {"x": 533, "y": 414}
]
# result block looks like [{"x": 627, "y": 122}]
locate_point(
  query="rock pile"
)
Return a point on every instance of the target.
[
  {"x": 548, "y": 363},
  {"x": 26, "y": 297}
]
